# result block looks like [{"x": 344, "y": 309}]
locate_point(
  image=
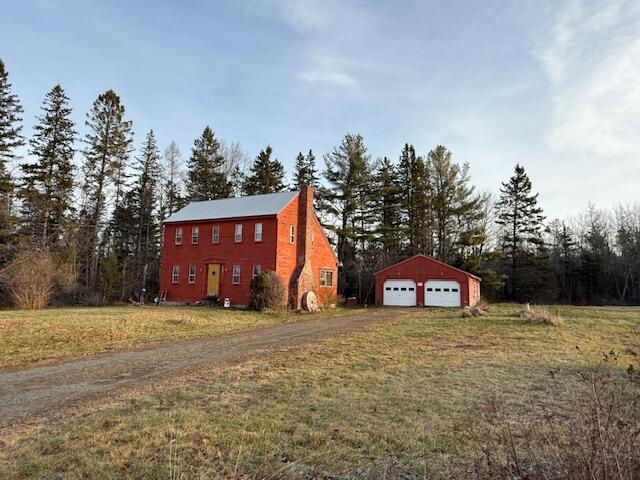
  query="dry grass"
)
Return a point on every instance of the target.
[
  {"x": 384, "y": 403},
  {"x": 541, "y": 315},
  {"x": 30, "y": 336}
]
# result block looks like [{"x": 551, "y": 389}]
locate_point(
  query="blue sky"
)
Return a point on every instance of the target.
[{"x": 554, "y": 85}]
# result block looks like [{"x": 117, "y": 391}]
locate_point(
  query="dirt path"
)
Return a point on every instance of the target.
[{"x": 40, "y": 392}]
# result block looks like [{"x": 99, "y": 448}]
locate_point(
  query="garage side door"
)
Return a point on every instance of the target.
[
  {"x": 399, "y": 293},
  {"x": 442, "y": 293}
]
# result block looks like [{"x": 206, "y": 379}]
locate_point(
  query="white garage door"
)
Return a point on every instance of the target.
[
  {"x": 400, "y": 293},
  {"x": 442, "y": 293}
]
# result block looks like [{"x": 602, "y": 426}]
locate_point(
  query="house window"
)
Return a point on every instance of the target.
[
  {"x": 256, "y": 271},
  {"x": 292, "y": 234},
  {"x": 326, "y": 278},
  {"x": 195, "y": 233},
  {"x": 235, "y": 278},
  {"x": 215, "y": 234},
  {"x": 192, "y": 274},
  {"x": 257, "y": 232},
  {"x": 179, "y": 236},
  {"x": 175, "y": 274},
  {"x": 238, "y": 234}
]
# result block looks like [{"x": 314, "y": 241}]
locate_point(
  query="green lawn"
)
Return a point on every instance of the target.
[
  {"x": 353, "y": 406},
  {"x": 30, "y": 336}
]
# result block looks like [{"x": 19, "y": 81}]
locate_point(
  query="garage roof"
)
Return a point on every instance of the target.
[
  {"x": 252, "y": 206},
  {"x": 431, "y": 259}
]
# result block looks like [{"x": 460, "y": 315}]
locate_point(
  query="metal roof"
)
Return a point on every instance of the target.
[{"x": 252, "y": 206}]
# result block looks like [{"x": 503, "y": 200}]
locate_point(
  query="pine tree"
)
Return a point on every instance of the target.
[
  {"x": 144, "y": 202},
  {"x": 108, "y": 148},
  {"x": 305, "y": 171},
  {"x": 521, "y": 220},
  {"x": 564, "y": 255},
  {"x": 47, "y": 184},
  {"x": 206, "y": 177},
  {"x": 415, "y": 203},
  {"x": 265, "y": 175},
  {"x": 10, "y": 140},
  {"x": 237, "y": 180},
  {"x": 347, "y": 199},
  {"x": 172, "y": 185},
  {"x": 387, "y": 198},
  {"x": 453, "y": 202}
]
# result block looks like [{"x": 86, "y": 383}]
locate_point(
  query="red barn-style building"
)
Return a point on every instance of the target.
[
  {"x": 216, "y": 247},
  {"x": 425, "y": 281}
]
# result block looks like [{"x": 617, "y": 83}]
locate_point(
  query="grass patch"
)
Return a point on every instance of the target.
[
  {"x": 388, "y": 401},
  {"x": 30, "y": 336}
]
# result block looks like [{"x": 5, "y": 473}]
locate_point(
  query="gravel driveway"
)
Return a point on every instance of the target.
[{"x": 40, "y": 392}]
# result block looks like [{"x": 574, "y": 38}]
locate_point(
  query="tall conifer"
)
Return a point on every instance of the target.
[
  {"x": 206, "y": 177},
  {"x": 47, "y": 184},
  {"x": 265, "y": 175},
  {"x": 305, "y": 171},
  {"x": 10, "y": 140},
  {"x": 521, "y": 220},
  {"x": 108, "y": 148}
]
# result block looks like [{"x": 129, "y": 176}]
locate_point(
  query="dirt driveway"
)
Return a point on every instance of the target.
[{"x": 42, "y": 392}]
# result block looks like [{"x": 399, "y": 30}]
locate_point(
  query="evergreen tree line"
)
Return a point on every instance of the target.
[{"x": 103, "y": 218}]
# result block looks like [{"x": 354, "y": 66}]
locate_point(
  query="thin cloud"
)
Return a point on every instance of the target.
[
  {"x": 590, "y": 59},
  {"x": 331, "y": 77}
]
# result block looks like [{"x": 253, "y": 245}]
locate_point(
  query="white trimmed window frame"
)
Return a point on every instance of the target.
[
  {"x": 235, "y": 275},
  {"x": 175, "y": 274},
  {"x": 326, "y": 277},
  {"x": 255, "y": 271}
]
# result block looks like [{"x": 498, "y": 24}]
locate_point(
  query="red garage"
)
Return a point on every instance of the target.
[{"x": 425, "y": 281}]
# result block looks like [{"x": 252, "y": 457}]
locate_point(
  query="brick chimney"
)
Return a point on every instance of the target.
[{"x": 302, "y": 278}]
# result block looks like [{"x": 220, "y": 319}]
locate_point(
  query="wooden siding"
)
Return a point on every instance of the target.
[{"x": 420, "y": 269}]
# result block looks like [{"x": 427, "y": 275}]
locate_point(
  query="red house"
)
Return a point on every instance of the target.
[
  {"x": 425, "y": 281},
  {"x": 215, "y": 248}
]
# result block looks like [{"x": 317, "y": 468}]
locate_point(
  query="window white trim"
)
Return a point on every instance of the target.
[
  {"x": 257, "y": 269},
  {"x": 215, "y": 234},
  {"x": 257, "y": 232},
  {"x": 292, "y": 234},
  {"x": 178, "y": 236},
  {"x": 238, "y": 233},
  {"x": 191, "y": 278},
  {"x": 175, "y": 274},
  {"x": 195, "y": 235},
  {"x": 235, "y": 277},
  {"x": 326, "y": 277}
]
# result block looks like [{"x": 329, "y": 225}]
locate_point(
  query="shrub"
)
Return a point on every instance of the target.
[
  {"x": 31, "y": 279},
  {"x": 266, "y": 292},
  {"x": 541, "y": 315},
  {"x": 594, "y": 435},
  {"x": 327, "y": 298}
]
